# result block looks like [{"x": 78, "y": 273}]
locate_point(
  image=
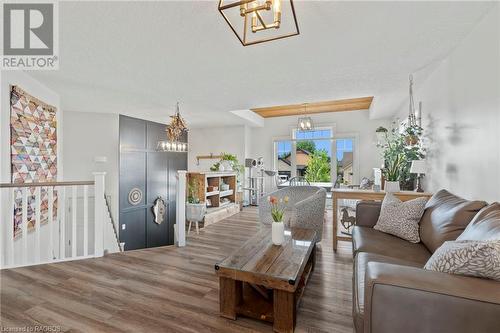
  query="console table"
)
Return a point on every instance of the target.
[{"x": 357, "y": 194}]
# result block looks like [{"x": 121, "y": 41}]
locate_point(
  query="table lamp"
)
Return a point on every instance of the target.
[{"x": 418, "y": 167}]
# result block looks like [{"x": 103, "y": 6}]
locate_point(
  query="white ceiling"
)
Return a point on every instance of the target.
[{"x": 139, "y": 58}]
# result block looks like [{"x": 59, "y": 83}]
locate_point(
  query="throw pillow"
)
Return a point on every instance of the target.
[
  {"x": 472, "y": 258},
  {"x": 485, "y": 225},
  {"x": 445, "y": 218},
  {"x": 401, "y": 218}
]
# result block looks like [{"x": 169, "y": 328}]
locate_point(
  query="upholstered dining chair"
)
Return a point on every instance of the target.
[
  {"x": 299, "y": 181},
  {"x": 305, "y": 208}
]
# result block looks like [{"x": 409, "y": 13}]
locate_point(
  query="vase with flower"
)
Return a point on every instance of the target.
[{"x": 278, "y": 207}]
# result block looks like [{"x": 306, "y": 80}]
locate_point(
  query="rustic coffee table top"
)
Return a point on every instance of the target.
[{"x": 260, "y": 262}]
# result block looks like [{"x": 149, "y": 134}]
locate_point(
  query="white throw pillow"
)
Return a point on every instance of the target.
[
  {"x": 400, "y": 218},
  {"x": 466, "y": 257}
]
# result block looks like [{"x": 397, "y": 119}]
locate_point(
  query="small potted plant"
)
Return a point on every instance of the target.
[
  {"x": 412, "y": 135},
  {"x": 195, "y": 211},
  {"x": 381, "y": 133},
  {"x": 392, "y": 172},
  {"x": 277, "y": 211}
]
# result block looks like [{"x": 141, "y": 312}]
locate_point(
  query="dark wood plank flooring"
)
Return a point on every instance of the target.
[{"x": 167, "y": 289}]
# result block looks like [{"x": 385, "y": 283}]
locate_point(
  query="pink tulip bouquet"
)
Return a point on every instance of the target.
[{"x": 278, "y": 207}]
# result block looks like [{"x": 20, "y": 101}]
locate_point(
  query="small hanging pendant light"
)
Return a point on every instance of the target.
[{"x": 305, "y": 123}]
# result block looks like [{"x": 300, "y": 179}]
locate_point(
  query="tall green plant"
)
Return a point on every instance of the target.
[{"x": 398, "y": 153}]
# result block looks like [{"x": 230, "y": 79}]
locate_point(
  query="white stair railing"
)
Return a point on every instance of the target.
[{"x": 70, "y": 231}]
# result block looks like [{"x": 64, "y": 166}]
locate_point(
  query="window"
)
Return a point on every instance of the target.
[
  {"x": 319, "y": 155},
  {"x": 283, "y": 162},
  {"x": 313, "y": 155},
  {"x": 345, "y": 160}
]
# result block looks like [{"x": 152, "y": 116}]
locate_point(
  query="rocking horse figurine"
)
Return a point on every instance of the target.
[{"x": 347, "y": 221}]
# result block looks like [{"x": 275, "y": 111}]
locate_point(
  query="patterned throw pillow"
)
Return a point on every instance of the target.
[
  {"x": 473, "y": 258},
  {"x": 401, "y": 218}
]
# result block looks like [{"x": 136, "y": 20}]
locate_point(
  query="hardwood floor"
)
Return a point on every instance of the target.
[{"x": 167, "y": 289}]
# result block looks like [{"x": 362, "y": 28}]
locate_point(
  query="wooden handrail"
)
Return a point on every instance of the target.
[{"x": 70, "y": 183}]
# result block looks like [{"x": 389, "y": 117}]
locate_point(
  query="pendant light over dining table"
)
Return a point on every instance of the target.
[
  {"x": 258, "y": 21},
  {"x": 305, "y": 122},
  {"x": 175, "y": 130}
]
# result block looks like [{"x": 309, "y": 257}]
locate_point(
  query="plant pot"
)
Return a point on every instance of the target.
[
  {"x": 391, "y": 186},
  {"x": 195, "y": 212},
  {"x": 278, "y": 233},
  {"x": 411, "y": 139},
  {"x": 226, "y": 165}
]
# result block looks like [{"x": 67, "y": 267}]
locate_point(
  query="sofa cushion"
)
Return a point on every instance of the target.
[
  {"x": 445, "y": 218},
  {"x": 466, "y": 257},
  {"x": 370, "y": 240},
  {"x": 485, "y": 225},
  {"x": 400, "y": 218},
  {"x": 361, "y": 261}
]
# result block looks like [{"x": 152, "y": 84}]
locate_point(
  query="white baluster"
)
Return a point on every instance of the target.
[
  {"x": 24, "y": 226},
  {"x": 181, "y": 208},
  {"x": 50, "y": 221},
  {"x": 62, "y": 222},
  {"x": 38, "y": 223},
  {"x": 73, "y": 220},
  {"x": 98, "y": 213},
  {"x": 10, "y": 228},
  {"x": 85, "y": 220}
]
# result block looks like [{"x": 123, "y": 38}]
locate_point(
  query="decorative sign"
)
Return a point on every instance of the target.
[{"x": 135, "y": 196}]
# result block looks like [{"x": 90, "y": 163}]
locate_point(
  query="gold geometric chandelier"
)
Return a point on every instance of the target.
[
  {"x": 258, "y": 21},
  {"x": 175, "y": 130}
]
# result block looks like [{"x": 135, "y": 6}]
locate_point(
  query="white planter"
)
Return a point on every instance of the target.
[
  {"x": 195, "y": 212},
  {"x": 226, "y": 165},
  {"x": 391, "y": 186},
  {"x": 278, "y": 233}
]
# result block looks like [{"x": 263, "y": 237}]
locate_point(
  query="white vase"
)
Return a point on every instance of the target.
[
  {"x": 278, "y": 233},
  {"x": 227, "y": 165},
  {"x": 391, "y": 186}
]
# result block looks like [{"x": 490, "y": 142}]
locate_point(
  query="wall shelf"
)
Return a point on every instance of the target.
[{"x": 225, "y": 193}]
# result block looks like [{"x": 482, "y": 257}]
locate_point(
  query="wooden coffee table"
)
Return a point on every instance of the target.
[{"x": 264, "y": 281}]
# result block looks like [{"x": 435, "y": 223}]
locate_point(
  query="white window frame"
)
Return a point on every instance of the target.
[{"x": 336, "y": 136}]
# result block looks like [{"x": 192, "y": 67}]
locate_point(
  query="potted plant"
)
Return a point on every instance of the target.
[
  {"x": 381, "y": 133},
  {"x": 277, "y": 211},
  {"x": 231, "y": 163},
  {"x": 412, "y": 135},
  {"x": 195, "y": 211},
  {"x": 398, "y": 150}
]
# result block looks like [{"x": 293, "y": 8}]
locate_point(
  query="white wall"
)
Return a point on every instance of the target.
[
  {"x": 38, "y": 90},
  {"x": 216, "y": 140},
  {"x": 91, "y": 135},
  {"x": 461, "y": 108}
]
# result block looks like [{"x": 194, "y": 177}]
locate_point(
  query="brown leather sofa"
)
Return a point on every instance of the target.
[{"x": 392, "y": 293}]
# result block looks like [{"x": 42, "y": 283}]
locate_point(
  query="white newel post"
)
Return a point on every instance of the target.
[
  {"x": 99, "y": 213},
  {"x": 180, "y": 227}
]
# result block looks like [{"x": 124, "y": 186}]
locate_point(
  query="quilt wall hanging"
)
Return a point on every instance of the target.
[{"x": 33, "y": 139}]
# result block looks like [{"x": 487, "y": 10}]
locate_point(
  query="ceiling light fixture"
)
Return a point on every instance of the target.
[
  {"x": 175, "y": 130},
  {"x": 258, "y": 21},
  {"x": 305, "y": 123}
]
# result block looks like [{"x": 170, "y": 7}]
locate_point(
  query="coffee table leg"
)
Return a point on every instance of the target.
[
  {"x": 230, "y": 295},
  {"x": 284, "y": 311}
]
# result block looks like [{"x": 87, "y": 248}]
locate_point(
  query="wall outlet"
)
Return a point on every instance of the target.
[{"x": 124, "y": 226}]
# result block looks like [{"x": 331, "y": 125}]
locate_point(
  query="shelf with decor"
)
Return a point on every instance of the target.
[{"x": 217, "y": 190}]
